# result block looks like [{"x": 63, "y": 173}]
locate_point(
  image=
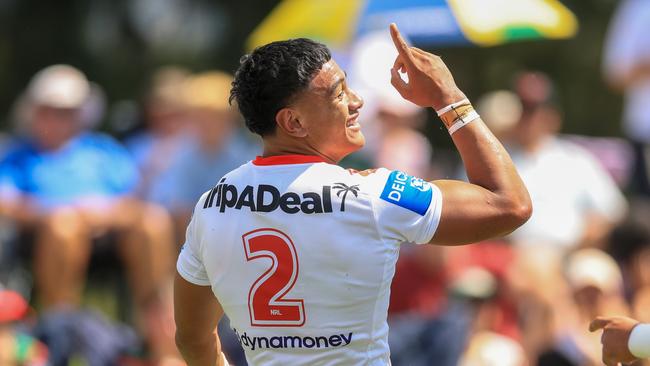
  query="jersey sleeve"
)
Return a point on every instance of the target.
[
  {"x": 190, "y": 264},
  {"x": 405, "y": 208}
]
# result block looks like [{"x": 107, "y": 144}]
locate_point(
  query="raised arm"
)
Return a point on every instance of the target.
[
  {"x": 495, "y": 202},
  {"x": 197, "y": 313}
]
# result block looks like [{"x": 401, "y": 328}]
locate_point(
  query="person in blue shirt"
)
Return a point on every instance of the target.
[
  {"x": 214, "y": 146},
  {"x": 67, "y": 186}
]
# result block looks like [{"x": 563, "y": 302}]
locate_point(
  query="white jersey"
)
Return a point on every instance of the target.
[{"x": 301, "y": 254}]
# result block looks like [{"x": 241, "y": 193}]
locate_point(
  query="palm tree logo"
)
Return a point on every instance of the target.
[{"x": 345, "y": 189}]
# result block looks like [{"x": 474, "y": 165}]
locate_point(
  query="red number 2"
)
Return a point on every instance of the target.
[{"x": 266, "y": 303}]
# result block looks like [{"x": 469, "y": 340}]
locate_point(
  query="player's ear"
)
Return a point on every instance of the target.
[{"x": 288, "y": 119}]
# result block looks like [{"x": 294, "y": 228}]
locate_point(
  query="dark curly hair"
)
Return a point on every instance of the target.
[{"x": 271, "y": 75}]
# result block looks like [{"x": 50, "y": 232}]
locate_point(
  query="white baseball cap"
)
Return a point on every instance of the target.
[
  {"x": 593, "y": 267},
  {"x": 500, "y": 110},
  {"x": 59, "y": 86},
  {"x": 491, "y": 349},
  {"x": 370, "y": 63}
]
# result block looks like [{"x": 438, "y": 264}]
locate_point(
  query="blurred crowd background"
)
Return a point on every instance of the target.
[{"x": 115, "y": 119}]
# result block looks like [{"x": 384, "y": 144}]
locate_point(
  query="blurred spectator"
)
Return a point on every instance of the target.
[
  {"x": 479, "y": 272},
  {"x": 94, "y": 107},
  {"x": 164, "y": 131},
  {"x": 441, "y": 298},
  {"x": 384, "y": 109},
  {"x": 422, "y": 332},
  {"x": 596, "y": 286},
  {"x": 3, "y": 144},
  {"x": 407, "y": 149},
  {"x": 88, "y": 334},
  {"x": 536, "y": 282},
  {"x": 425, "y": 330},
  {"x": 64, "y": 186},
  {"x": 215, "y": 146},
  {"x": 191, "y": 142},
  {"x": 212, "y": 145},
  {"x": 615, "y": 155},
  {"x": 627, "y": 68},
  {"x": 596, "y": 281},
  {"x": 492, "y": 349},
  {"x": 629, "y": 243},
  {"x": 641, "y": 305},
  {"x": 576, "y": 202},
  {"x": 501, "y": 110}
]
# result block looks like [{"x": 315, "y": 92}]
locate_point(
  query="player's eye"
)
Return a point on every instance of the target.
[{"x": 341, "y": 94}]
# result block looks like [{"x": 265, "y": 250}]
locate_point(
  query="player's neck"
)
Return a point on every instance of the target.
[{"x": 276, "y": 146}]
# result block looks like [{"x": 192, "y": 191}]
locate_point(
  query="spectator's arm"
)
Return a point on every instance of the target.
[
  {"x": 616, "y": 336},
  {"x": 22, "y": 210},
  {"x": 197, "y": 313}
]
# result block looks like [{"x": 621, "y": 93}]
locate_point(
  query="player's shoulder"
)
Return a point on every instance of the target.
[
  {"x": 359, "y": 176},
  {"x": 368, "y": 174},
  {"x": 398, "y": 188},
  {"x": 370, "y": 179},
  {"x": 378, "y": 178}
]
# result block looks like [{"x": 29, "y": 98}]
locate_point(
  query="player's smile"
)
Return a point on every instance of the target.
[{"x": 353, "y": 122}]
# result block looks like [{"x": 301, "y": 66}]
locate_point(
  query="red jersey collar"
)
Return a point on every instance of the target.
[{"x": 288, "y": 159}]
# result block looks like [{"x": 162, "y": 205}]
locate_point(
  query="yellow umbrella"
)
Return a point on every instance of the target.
[{"x": 432, "y": 22}]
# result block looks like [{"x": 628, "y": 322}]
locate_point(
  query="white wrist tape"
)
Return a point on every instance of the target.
[
  {"x": 446, "y": 109},
  {"x": 639, "y": 342},
  {"x": 463, "y": 121}
]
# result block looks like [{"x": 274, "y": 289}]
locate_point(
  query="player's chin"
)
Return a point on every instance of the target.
[{"x": 356, "y": 138}]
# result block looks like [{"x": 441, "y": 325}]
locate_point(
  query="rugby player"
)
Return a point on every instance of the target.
[{"x": 298, "y": 252}]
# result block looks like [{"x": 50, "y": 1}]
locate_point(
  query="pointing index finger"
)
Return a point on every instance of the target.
[
  {"x": 598, "y": 323},
  {"x": 400, "y": 44}
]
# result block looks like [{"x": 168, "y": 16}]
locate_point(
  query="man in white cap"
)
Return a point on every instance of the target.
[{"x": 64, "y": 186}]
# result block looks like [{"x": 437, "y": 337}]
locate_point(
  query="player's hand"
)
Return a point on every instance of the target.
[
  {"x": 616, "y": 334},
  {"x": 430, "y": 83}
]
